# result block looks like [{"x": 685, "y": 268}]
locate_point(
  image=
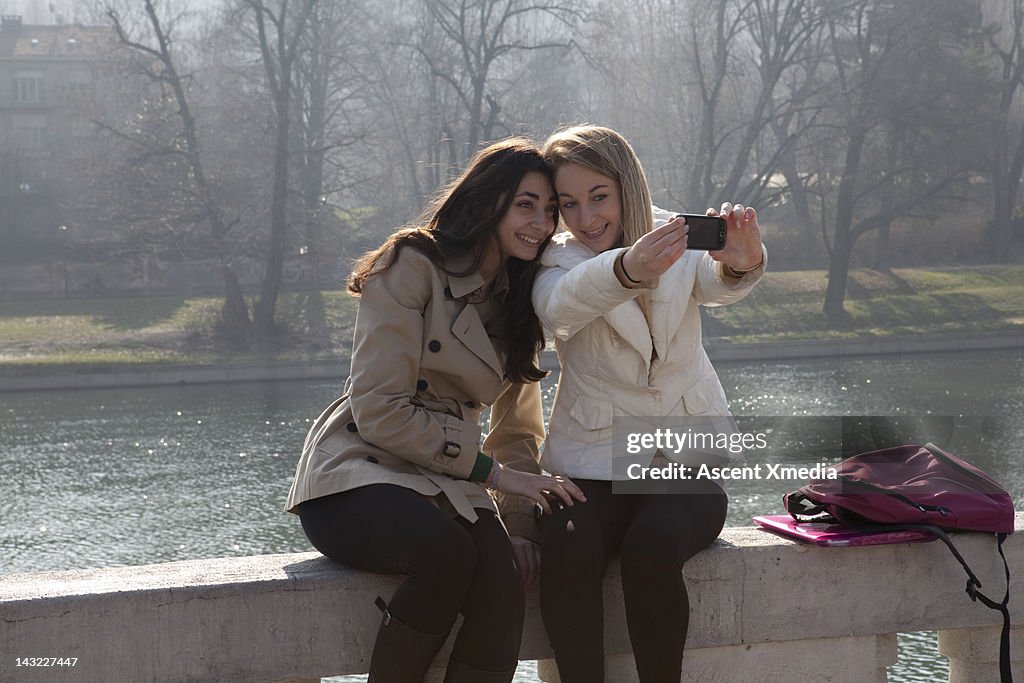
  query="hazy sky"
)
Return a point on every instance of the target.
[{"x": 39, "y": 11}]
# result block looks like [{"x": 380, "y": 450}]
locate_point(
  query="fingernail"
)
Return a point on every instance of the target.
[{"x": 749, "y": 213}]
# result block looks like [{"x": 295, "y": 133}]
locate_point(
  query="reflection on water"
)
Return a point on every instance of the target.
[{"x": 132, "y": 476}]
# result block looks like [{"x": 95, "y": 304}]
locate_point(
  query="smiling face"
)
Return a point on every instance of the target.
[
  {"x": 591, "y": 206},
  {"x": 530, "y": 218}
]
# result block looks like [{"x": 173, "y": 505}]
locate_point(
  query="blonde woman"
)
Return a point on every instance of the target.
[{"x": 620, "y": 293}]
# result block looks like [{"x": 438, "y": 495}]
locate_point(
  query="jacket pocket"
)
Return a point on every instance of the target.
[{"x": 592, "y": 413}]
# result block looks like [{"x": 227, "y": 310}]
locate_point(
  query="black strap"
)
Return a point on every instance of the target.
[
  {"x": 973, "y": 584},
  {"x": 1005, "y": 675},
  {"x": 383, "y": 607},
  {"x": 798, "y": 505}
]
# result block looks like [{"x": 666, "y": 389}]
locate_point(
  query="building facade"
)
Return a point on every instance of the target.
[{"x": 51, "y": 77}]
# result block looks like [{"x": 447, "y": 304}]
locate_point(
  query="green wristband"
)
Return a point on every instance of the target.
[{"x": 482, "y": 468}]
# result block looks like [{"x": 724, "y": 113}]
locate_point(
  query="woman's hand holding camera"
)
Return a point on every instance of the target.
[
  {"x": 742, "y": 251},
  {"x": 656, "y": 251}
]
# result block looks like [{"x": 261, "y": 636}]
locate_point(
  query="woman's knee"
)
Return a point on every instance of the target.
[
  {"x": 497, "y": 584},
  {"x": 448, "y": 555},
  {"x": 498, "y": 589},
  {"x": 572, "y": 548},
  {"x": 651, "y": 548},
  {"x": 656, "y": 545}
]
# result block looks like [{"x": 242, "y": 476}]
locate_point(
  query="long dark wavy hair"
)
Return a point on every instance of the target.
[{"x": 462, "y": 221}]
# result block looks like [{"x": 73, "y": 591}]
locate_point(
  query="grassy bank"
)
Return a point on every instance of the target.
[
  {"x": 785, "y": 306},
  {"x": 788, "y": 305},
  {"x": 165, "y": 329}
]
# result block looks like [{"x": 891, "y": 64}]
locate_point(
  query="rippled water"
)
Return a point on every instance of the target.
[{"x": 112, "y": 477}]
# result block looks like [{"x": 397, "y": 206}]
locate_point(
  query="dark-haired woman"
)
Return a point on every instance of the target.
[{"x": 393, "y": 478}]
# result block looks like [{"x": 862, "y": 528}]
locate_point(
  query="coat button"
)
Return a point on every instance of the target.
[
  {"x": 372, "y": 458},
  {"x": 448, "y": 292},
  {"x": 434, "y": 345},
  {"x": 351, "y": 426},
  {"x": 421, "y": 385}
]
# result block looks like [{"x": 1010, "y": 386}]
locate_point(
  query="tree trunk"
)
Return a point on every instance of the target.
[
  {"x": 842, "y": 248},
  {"x": 881, "y": 263},
  {"x": 1002, "y": 204},
  {"x": 234, "y": 314},
  {"x": 701, "y": 177},
  {"x": 892, "y": 147},
  {"x": 271, "y": 285},
  {"x": 838, "y": 271}
]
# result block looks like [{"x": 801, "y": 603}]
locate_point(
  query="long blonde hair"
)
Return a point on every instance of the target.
[{"x": 603, "y": 150}]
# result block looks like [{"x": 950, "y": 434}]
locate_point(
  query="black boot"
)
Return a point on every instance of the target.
[
  {"x": 464, "y": 673},
  {"x": 401, "y": 654}
]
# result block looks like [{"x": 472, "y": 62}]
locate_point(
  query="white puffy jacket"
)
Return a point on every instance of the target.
[{"x": 605, "y": 345}]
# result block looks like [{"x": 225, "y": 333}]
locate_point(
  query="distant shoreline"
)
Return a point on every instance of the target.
[{"x": 42, "y": 377}]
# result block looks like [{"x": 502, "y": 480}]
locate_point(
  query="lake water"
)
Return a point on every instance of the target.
[{"x": 109, "y": 477}]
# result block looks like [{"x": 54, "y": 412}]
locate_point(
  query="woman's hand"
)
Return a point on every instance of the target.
[
  {"x": 537, "y": 487},
  {"x": 743, "y": 242},
  {"x": 656, "y": 251},
  {"x": 527, "y": 559}
]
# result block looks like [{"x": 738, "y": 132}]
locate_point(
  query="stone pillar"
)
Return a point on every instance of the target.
[
  {"x": 862, "y": 659},
  {"x": 547, "y": 671},
  {"x": 974, "y": 653}
]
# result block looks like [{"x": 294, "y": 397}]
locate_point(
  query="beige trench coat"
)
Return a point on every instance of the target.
[{"x": 423, "y": 368}]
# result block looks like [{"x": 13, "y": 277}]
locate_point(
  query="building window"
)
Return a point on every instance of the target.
[
  {"x": 78, "y": 85},
  {"x": 28, "y": 87},
  {"x": 30, "y": 132}
]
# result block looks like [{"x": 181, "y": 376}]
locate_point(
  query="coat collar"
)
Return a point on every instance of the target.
[
  {"x": 466, "y": 285},
  {"x": 627, "y": 319},
  {"x": 468, "y": 327}
]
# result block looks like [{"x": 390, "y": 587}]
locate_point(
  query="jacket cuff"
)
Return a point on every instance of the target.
[
  {"x": 620, "y": 272},
  {"x": 518, "y": 517},
  {"x": 747, "y": 279},
  {"x": 459, "y": 451},
  {"x": 482, "y": 468},
  {"x": 522, "y": 525}
]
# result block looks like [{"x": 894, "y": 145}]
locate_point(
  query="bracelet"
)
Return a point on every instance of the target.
[
  {"x": 741, "y": 273},
  {"x": 492, "y": 477},
  {"x": 622, "y": 264}
]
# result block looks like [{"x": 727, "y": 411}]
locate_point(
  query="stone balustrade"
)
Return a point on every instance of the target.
[{"x": 763, "y": 609}]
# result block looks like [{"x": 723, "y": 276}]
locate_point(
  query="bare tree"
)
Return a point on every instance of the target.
[
  {"x": 725, "y": 88},
  {"x": 279, "y": 31},
  {"x": 1006, "y": 41},
  {"x": 915, "y": 48},
  {"x": 159, "y": 64},
  {"x": 331, "y": 90},
  {"x": 464, "y": 42},
  {"x": 779, "y": 31}
]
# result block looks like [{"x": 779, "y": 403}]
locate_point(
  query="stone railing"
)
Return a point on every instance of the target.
[{"x": 763, "y": 609}]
